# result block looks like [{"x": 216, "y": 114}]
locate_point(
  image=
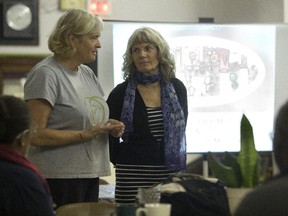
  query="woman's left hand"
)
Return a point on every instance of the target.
[{"x": 116, "y": 128}]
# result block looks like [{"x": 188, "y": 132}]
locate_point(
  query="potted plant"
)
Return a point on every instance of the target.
[{"x": 242, "y": 171}]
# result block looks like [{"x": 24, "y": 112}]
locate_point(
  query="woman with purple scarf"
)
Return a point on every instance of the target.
[{"x": 152, "y": 103}]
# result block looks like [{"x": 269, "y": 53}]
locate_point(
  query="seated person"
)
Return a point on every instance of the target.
[
  {"x": 271, "y": 197},
  {"x": 23, "y": 190},
  {"x": 1, "y": 84}
]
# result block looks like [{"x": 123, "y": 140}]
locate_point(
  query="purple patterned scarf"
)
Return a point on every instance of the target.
[{"x": 173, "y": 117}]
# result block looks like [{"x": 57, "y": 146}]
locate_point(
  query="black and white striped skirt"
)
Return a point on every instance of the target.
[{"x": 131, "y": 177}]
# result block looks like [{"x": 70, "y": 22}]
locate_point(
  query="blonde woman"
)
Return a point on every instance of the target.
[{"x": 66, "y": 102}]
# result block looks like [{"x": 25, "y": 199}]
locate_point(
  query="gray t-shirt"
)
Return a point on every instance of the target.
[{"x": 77, "y": 101}]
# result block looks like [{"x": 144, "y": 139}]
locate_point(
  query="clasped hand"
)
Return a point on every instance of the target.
[{"x": 114, "y": 127}]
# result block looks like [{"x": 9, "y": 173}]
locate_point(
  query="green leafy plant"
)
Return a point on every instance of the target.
[{"x": 243, "y": 170}]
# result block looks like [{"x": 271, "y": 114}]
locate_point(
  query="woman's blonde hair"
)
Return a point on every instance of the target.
[
  {"x": 74, "y": 22},
  {"x": 153, "y": 37}
]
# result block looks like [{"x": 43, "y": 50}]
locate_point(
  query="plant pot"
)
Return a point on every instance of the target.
[{"x": 235, "y": 196}]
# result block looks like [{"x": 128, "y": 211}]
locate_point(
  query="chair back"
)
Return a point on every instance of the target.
[{"x": 86, "y": 209}]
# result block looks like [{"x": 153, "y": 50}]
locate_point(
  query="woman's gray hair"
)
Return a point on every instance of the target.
[
  {"x": 74, "y": 22},
  {"x": 153, "y": 37}
]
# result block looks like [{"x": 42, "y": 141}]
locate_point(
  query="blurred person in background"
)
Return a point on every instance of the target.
[
  {"x": 23, "y": 190},
  {"x": 271, "y": 197},
  {"x": 1, "y": 84}
]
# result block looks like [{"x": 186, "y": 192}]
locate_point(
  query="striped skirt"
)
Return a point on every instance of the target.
[{"x": 131, "y": 177}]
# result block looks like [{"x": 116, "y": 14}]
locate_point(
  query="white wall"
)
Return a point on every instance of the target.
[
  {"x": 285, "y": 6},
  {"x": 224, "y": 11},
  {"x": 189, "y": 10}
]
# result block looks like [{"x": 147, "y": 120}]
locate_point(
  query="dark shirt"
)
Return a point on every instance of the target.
[
  {"x": 269, "y": 199},
  {"x": 143, "y": 148},
  {"x": 22, "y": 193}
]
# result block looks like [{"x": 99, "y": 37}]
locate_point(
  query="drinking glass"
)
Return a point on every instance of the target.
[{"x": 148, "y": 195}]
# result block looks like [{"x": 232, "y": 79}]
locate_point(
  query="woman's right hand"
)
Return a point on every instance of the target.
[{"x": 40, "y": 110}]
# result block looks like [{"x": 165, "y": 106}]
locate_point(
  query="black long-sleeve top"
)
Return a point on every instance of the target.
[{"x": 142, "y": 148}]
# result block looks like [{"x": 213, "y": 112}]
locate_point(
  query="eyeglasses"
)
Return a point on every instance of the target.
[
  {"x": 22, "y": 133},
  {"x": 32, "y": 130}
]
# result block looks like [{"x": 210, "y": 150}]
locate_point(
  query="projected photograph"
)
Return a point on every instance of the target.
[{"x": 228, "y": 71}]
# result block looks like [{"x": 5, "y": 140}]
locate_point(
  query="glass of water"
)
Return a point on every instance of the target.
[{"x": 148, "y": 195}]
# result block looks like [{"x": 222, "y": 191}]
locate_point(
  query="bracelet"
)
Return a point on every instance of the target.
[{"x": 82, "y": 141}]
